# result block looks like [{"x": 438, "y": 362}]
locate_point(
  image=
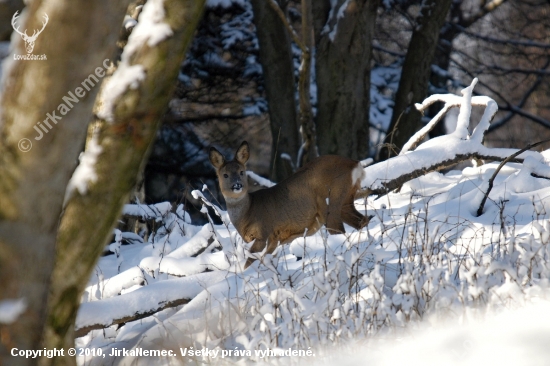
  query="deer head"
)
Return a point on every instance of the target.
[
  {"x": 29, "y": 40},
  {"x": 231, "y": 174}
]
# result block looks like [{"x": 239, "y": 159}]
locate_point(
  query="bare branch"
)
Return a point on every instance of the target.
[
  {"x": 522, "y": 102},
  {"x": 518, "y": 70},
  {"x": 482, "y": 11},
  {"x": 509, "y": 106},
  {"x": 504, "y": 41}
]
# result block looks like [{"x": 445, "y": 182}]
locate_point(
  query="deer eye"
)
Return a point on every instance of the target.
[
  {"x": 242, "y": 172},
  {"x": 226, "y": 176}
]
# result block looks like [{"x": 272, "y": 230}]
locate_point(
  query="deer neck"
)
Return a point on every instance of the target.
[{"x": 237, "y": 209}]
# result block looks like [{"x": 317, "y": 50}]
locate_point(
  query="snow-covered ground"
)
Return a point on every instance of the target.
[{"x": 427, "y": 282}]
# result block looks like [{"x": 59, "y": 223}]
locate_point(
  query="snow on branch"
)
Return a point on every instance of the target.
[
  {"x": 143, "y": 302},
  {"x": 147, "y": 212},
  {"x": 440, "y": 152},
  {"x": 150, "y": 30},
  {"x": 260, "y": 180}
]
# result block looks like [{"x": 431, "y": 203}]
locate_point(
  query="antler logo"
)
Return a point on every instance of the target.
[{"x": 29, "y": 40}]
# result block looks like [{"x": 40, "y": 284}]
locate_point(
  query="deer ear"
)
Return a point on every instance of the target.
[
  {"x": 242, "y": 153},
  {"x": 216, "y": 158}
]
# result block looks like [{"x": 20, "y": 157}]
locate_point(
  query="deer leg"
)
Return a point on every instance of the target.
[
  {"x": 334, "y": 221},
  {"x": 258, "y": 246},
  {"x": 271, "y": 246},
  {"x": 335, "y": 224},
  {"x": 338, "y": 197},
  {"x": 352, "y": 217}
]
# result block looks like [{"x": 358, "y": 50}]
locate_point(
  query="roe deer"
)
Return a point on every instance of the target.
[{"x": 321, "y": 192}]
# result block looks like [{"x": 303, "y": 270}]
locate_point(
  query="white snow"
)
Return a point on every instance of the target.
[
  {"x": 444, "y": 148},
  {"x": 125, "y": 77},
  {"x": 85, "y": 172},
  {"x": 334, "y": 17},
  {"x": 11, "y": 309},
  {"x": 509, "y": 337},
  {"x": 145, "y": 298},
  {"x": 260, "y": 180},
  {"x": 129, "y": 22},
  {"x": 150, "y": 30}
]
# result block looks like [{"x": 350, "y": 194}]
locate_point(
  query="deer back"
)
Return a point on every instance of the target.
[
  {"x": 313, "y": 196},
  {"x": 306, "y": 199}
]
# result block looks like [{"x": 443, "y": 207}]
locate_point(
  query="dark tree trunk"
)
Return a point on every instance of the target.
[
  {"x": 308, "y": 150},
  {"x": 413, "y": 86},
  {"x": 280, "y": 86},
  {"x": 442, "y": 60},
  {"x": 343, "y": 76}
]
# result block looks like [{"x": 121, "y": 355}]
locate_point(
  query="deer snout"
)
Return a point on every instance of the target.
[{"x": 237, "y": 187}]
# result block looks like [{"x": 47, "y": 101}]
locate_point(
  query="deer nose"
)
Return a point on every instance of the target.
[{"x": 237, "y": 186}]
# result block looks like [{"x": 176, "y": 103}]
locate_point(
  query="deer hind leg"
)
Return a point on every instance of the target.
[
  {"x": 335, "y": 225},
  {"x": 352, "y": 217},
  {"x": 334, "y": 222}
]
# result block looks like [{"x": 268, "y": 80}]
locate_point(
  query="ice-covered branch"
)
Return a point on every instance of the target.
[
  {"x": 440, "y": 152},
  {"x": 453, "y": 101}
]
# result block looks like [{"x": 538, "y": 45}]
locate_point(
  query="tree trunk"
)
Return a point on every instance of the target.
[
  {"x": 37, "y": 160},
  {"x": 125, "y": 142},
  {"x": 343, "y": 76},
  {"x": 280, "y": 86},
  {"x": 415, "y": 74},
  {"x": 308, "y": 150}
]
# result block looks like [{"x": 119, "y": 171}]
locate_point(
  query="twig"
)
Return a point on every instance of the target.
[{"x": 492, "y": 179}]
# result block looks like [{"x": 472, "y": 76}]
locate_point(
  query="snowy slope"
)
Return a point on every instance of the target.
[{"x": 415, "y": 285}]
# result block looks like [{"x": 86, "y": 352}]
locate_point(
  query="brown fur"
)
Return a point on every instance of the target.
[{"x": 279, "y": 214}]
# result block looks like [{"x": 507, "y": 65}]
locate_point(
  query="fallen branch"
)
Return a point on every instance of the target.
[
  {"x": 142, "y": 302},
  {"x": 403, "y": 168},
  {"x": 80, "y": 332}
]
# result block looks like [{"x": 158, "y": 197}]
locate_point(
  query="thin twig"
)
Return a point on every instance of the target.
[{"x": 492, "y": 179}]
